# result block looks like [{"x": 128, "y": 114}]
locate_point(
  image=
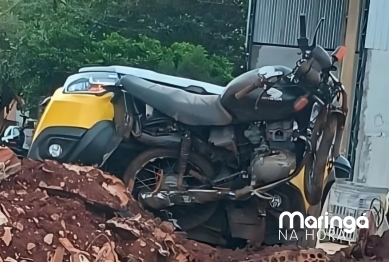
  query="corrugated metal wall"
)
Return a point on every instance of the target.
[
  {"x": 377, "y": 36},
  {"x": 277, "y": 21}
]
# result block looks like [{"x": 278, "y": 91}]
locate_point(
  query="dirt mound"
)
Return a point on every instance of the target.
[{"x": 51, "y": 212}]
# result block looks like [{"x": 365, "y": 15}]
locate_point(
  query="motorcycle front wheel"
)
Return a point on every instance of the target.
[{"x": 317, "y": 162}]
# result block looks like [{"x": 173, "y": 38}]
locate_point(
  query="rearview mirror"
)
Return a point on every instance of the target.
[{"x": 314, "y": 37}]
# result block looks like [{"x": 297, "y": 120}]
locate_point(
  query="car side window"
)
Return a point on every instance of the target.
[{"x": 16, "y": 132}]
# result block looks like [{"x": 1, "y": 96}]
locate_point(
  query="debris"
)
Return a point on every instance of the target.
[
  {"x": 117, "y": 189},
  {"x": 61, "y": 199},
  {"x": 167, "y": 227},
  {"x": 142, "y": 243},
  {"x": 30, "y": 246},
  {"x": 9, "y": 163},
  {"x": 7, "y": 237},
  {"x": 19, "y": 226},
  {"x": 5, "y": 211},
  {"x": 70, "y": 248},
  {"x": 3, "y": 218},
  {"x": 10, "y": 259},
  {"x": 58, "y": 255},
  {"x": 48, "y": 239},
  {"x": 20, "y": 210},
  {"x": 107, "y": 253},
  {"x": 54, "y": 217},
  {"x": 122, "y": 228},
  {"x": 47, "y": 170},
  {"x": 21, "y": 192}
]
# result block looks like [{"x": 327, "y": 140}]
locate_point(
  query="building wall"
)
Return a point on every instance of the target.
[
  {"x": 277, "y": 21},
  {"x": 372, "y": 165},
  {"x": 286, "y": 56},
  {"x": 276, "y": 28}
]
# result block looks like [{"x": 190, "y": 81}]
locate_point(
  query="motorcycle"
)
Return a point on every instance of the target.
[{"x": 218, "y": 166}]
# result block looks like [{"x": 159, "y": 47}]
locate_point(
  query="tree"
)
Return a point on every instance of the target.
[{"x": 51, "y": 40}]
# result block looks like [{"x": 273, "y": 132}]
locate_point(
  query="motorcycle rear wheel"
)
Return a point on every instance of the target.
[
  {"x": 201, "y": 164},
  {"x": 316, "y": 164}
]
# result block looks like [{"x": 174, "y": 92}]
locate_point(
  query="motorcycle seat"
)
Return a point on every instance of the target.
[{"x": 185, "y": 107}]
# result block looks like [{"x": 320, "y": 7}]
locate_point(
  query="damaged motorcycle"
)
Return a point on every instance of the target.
[{"x": 219, "y": 166}]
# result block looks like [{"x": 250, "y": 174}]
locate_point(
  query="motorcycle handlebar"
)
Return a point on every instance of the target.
[{"x": 248, "y": 89}]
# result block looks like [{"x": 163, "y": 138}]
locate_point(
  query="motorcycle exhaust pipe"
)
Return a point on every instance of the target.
[{"x": 164, "y": 199}]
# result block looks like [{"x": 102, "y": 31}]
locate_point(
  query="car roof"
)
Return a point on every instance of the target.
[{"x": 155, "y": 77}]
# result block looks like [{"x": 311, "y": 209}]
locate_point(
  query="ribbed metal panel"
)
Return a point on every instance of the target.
[
  {"x": 277, "y": 21},
  {"x": 378, "y": 25},
  {"x": 362, "y": 20}
]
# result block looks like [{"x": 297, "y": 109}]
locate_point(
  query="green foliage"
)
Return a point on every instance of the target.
[{"x": 50, "y": 40}]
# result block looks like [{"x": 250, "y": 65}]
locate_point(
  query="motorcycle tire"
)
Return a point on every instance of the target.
[
  {"x": 147, "y": 156},
  {"x": 313, "y": 187}
]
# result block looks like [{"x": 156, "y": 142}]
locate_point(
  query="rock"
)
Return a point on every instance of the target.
[
  {"x": 167, "y": 227},
  {"x": 142, "y": 243},
  {"x": 48, "y": 239},
  {"x": 11, "y": 163},
  {"x": 30, "y": 246},
  {"x": 54, "y": 217},
  {"x": 10, "y": 259},
  {"x": 7, "y": 237},
  {"x": 20, "y": 210},
  {"x": 19, "y": 226},
  {"x": 3, "y": 219}
]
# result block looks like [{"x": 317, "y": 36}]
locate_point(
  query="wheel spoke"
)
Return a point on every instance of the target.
[
  {"x": 149, "y": 170},
  {"x": 141, "y": 181}
]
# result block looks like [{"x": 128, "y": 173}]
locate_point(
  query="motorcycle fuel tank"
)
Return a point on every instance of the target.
[{"x": 276, "y": 104}]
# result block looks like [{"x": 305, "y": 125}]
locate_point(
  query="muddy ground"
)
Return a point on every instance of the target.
[{"x": 51, "y": 212}]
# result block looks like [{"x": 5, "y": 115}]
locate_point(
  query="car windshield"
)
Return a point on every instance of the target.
[{"x": 80, "y": 82}]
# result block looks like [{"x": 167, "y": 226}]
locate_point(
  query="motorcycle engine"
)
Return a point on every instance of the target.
[{"x": 274, "y": 157}]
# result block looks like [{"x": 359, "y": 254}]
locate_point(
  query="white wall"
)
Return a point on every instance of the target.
[{"x": 372, "y": 158}]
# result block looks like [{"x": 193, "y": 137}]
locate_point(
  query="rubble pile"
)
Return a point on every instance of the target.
[{"x": 54, "y": 213}]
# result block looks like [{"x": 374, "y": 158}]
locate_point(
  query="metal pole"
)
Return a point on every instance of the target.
[{"x": 348, "y": 64}]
